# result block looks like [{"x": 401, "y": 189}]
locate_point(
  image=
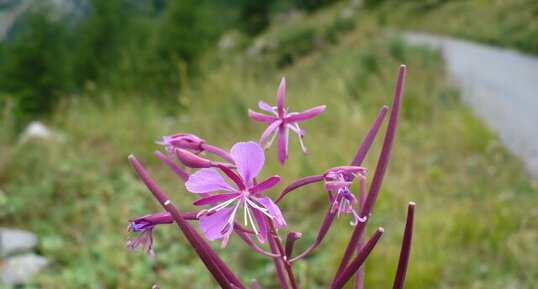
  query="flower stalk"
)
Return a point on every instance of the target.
[{"x": 405, "y": 251}]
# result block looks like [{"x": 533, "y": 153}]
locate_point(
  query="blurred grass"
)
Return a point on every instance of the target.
[{"x": 476, "y": 210}]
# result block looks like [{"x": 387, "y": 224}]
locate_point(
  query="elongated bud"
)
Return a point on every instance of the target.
[
  {"x": 185, "y": 141},
  {"x": 405, "y": 251},
  {"x": 190, "y": 159},
  {"x": 290, "y": 241},
  {"x": 341, "y": 279}
]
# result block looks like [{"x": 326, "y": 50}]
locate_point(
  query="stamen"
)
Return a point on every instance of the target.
[
  {"x": 222, "y": 205},
  {"x": 232, "y": 215},
  {"x": 201, "y": 213},
  {"x": 225, "y": 241},
  {"x": 263, "y": 210},
  {"x": 245, "y": 214},
  {"x": 252, "y": 221},
  {"x": 270, "y": 142}
]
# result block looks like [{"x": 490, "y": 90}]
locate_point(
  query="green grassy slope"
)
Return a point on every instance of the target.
[
  {"x": 511, "y": 23},
  {"x": 475, "y": 214}
]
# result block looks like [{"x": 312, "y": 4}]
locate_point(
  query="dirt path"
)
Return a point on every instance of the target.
[{"x": 500, "y": 86}]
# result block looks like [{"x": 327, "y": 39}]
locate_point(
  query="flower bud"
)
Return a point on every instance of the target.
[
  {"x": 183, "y": 141},
  {"x": 190, "y": 159}
]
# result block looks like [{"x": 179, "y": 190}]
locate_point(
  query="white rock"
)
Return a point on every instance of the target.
[
  {"x": 14, "y": 241},
  {"x": 37, "y": 130},
  {"x": 19, "y": 269}
]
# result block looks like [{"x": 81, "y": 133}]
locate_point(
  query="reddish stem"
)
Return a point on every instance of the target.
[
  {"x": 399, "y": 279},
  {"x": 278, "y": 244},
  {"x": 179, "y": 172},
  {"x": 370, "y": 137},
  {"x": 359, "y": 276},
  {"x": 327, "y": 222},
  {"x": 297, "y": 184},
  {"x": 342, "y": 278}
]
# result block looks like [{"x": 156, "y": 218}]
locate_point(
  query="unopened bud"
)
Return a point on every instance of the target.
[
  {"x": 183, "y": 141},
  {"x": 290, "y": 241},
  {"x": 190, "y": 159}
]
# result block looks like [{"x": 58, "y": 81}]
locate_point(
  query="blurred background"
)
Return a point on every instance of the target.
[{"x": 85, "y": 83}]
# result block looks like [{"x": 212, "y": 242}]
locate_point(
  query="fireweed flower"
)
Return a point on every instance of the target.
[
  {"x": 281, "y": 122},
  {"x": 217, "y": 222},
  {"x": 145, "y": 225},
  {"x": 338, "y": 181}
]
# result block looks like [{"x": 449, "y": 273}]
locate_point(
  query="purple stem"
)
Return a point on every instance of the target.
[
  {"x": 279, "y": 264},
  {"x": 211, "y": 260},
  {"x": 359, "y": 276},
  {"x": 384, "y": 156},
  {"x": 181, "y": 173},
  {"x": 379, "y": 171},
  {"x": 399, "y": 279},
  {"x": 325, "y": 226},
  {"x": 278, "y": 243},
  {"x": 297, "y": 184},
  {"x": 342, "y": 278},
  {"x": 370, "y": 137},
  {"x": 245, "y": 237},
  {"x": 218, "y": 151}
]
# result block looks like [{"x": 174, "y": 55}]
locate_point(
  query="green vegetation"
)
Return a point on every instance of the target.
[
  {"x": 476, "y": 215},
  {"x": 506, "y": 23}
]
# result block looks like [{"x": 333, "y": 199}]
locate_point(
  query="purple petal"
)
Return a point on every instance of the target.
[
  {"x": 249, "y": 159},
  {"x": 233, "y": 176},
  {"x": 273, "y": 210},
  {"x": 207, "y": 180},
  {"x": 215, "y": 199},
  {"x": 307, "y": 114},
  {"x": 267, "y": 132},
  {"x": 261, "y": 117},
  {"x": 213, "y": 226},
  {"x": 333, "y": 186},
  {"x": 262, "y": 225},
  {"x": 265, "y": 106},
  {"x": 346, "y": 169},
  {"x": 282, "y": 145},
  {"x": 145, "y": 239},
  {"x": 265, "y": 185},
  {"x": 281, "y": 96}
]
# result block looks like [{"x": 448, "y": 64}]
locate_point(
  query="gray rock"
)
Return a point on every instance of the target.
[
  {"x": 19, "y": 269},
  {"x": 36, "y": 130},
  {"x": 14, "y": 241}
]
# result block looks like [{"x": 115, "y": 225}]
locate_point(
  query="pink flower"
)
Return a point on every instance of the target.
[
  {"x": 282, "y": 121},
  {"x": 339, "y": 180},
  {"x": 217, "y": 222}
]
